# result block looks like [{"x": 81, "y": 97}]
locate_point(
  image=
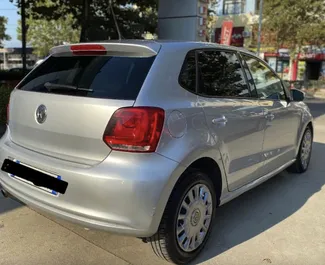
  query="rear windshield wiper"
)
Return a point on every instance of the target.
[{"x": 51, "y": 86}]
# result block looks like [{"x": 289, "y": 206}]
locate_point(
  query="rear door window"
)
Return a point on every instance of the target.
[
  {"x": 90, "y": 76},
  {"x": 221, "y": 75}
]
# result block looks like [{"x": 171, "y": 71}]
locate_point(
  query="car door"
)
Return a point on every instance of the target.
[
  {"x": 234, "y": 117},
  {"x": 282, "y": 119}
]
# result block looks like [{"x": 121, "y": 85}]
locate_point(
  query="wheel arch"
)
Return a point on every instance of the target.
[
  {"x": 210, "y": 167},
  {"x": 306, "y": 125}
]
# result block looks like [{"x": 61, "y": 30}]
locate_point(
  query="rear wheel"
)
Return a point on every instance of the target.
[
  {"x": 187, "y": 220},
  {"x": 304, "y": 154}
]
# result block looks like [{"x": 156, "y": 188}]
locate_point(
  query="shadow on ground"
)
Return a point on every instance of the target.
[
  {"x": 7, "y": 205},
  {"x": 316, "y": 107},
  {"x": 263, "y": 207}
]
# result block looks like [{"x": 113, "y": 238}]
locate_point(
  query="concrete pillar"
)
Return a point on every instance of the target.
[{"x": 182, "y": 19}]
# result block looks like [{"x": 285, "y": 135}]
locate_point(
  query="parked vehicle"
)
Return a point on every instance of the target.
[{"x": 148, "y": 138}]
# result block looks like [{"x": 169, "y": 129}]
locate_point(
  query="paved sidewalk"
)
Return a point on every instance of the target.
[
  {"x": 27, "y": 237},
  {"x": 315, "y": 93}
]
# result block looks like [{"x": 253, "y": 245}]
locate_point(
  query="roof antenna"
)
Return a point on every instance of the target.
[{"x": 120, "y": 37}]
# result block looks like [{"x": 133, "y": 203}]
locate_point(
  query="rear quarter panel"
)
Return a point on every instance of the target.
[{"x": 186, "y": 136}]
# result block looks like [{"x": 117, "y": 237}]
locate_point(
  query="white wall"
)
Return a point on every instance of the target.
[{"x": 250, "y": 6}]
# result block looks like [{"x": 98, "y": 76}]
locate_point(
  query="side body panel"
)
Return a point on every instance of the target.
[
  {"x": 281, "y": 133},
  {"x": 239, "y": 139}
]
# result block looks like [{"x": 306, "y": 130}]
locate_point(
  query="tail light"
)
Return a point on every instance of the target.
[{"x": 135, "y": 129}]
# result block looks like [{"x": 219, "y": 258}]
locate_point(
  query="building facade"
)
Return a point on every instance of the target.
[
  {"x": 243, "y": 14},
  {"x": 11, "y": 58},
  {"x": 183, "y": 19}
]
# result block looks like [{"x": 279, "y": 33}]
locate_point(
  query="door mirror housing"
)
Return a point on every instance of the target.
[{"x": 297, "y": 95}]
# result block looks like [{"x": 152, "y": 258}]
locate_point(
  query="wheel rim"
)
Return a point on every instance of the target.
[
  {"x": 194, "y": 218},
  {"x": 306, "y": 149}
]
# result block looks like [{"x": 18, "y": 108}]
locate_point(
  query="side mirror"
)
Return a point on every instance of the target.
[{"x": 297, "y": 95}]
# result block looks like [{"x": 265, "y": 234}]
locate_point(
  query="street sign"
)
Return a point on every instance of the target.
[{"x": 226, "y": 32}]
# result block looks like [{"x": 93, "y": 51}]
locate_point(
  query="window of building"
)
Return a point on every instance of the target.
[
  {"x": 257, "y": 5},
  {"x": 267, "y": 83},
  {"x": 233, "y": 7},
  {"x": 221, "y": 75}
]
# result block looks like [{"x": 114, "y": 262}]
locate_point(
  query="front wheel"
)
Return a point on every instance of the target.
[
  {"x": 304, "y": 154},
  {"x": 187, "y": 220}
]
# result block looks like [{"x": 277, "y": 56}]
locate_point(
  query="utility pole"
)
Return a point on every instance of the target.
[
  {"x": 260, "y": 29},
  {"x": 23, "y": 34}
]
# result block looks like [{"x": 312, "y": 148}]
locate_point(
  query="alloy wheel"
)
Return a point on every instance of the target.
[{"x": 306, "y": 149}]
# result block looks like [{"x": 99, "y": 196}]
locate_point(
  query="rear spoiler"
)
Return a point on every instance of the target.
[{"x": 113, "y": 49}]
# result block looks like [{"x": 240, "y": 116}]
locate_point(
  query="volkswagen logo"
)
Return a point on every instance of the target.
[{"x": 41, "y": 114}]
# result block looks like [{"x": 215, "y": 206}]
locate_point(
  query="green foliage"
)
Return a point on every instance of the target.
[
  {"x": 295, "y": 22},
  {"x": 44, "y": 34},
  {"x": 3, "y": 35},
  {"x": 135, "y": 17},
  {"x": 4, "y": 99}
]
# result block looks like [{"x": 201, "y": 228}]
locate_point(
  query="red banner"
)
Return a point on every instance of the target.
[
  {"x": 237, "y": 38},
  {"x": 226, "y": 32}
]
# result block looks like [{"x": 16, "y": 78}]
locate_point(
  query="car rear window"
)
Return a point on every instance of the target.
[{"x": 108, "y": 77}]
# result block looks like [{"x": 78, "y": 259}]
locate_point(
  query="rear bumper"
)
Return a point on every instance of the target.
[{"x": 125, "y": 194}]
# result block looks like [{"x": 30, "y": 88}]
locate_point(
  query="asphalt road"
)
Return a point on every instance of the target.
[{"x": 279, "y": 222}]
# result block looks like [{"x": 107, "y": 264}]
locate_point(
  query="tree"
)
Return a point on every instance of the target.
[
  {"x": 134, "y": 17},
  {"x": 44, "y": 34},
  {"x": 3, "y": 35},
  {"x": 295, "y": 22},
  {"x": 212, "y": 19}
]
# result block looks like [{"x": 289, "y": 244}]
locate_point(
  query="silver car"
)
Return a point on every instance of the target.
[{"x": 148, "y": 138}]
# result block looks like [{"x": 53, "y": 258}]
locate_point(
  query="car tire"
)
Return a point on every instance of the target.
[
  {"x": 174, "y": 245},
  {"x": 305, "y": 149}
]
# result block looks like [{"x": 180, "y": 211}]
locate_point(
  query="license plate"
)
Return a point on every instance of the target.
[{"x": 45, "y": 181}]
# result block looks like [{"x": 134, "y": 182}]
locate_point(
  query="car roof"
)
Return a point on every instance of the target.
[
  {"x": 156, "y": 45},
  {"x": 178, "y": 43}
]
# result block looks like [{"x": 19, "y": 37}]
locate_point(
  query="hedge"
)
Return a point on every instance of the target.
[
  {"x": 11, "y": 76},
  {"x": 4, "y": 100}
]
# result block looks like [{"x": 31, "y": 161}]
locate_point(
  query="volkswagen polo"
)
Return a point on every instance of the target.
[{"x": 148, "y": 138}]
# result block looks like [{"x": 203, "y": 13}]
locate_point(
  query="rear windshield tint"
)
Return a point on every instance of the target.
[{"x": 102, "y": 76}]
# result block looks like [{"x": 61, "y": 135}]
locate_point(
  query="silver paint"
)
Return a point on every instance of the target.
[{"x": 250, "y": 140}]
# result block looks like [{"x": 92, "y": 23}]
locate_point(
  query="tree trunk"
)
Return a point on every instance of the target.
[{"x": 85, "y": 20}]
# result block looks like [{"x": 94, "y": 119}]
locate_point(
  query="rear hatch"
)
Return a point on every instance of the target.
[{"x": 62, "y": 107}]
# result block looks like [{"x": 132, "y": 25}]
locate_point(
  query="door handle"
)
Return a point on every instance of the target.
[{"x": 222, "y": 120}]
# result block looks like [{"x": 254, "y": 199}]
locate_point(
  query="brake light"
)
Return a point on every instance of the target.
[
  {"x": 88, "y": 49},
  {"x": 135, "y": 129}
]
